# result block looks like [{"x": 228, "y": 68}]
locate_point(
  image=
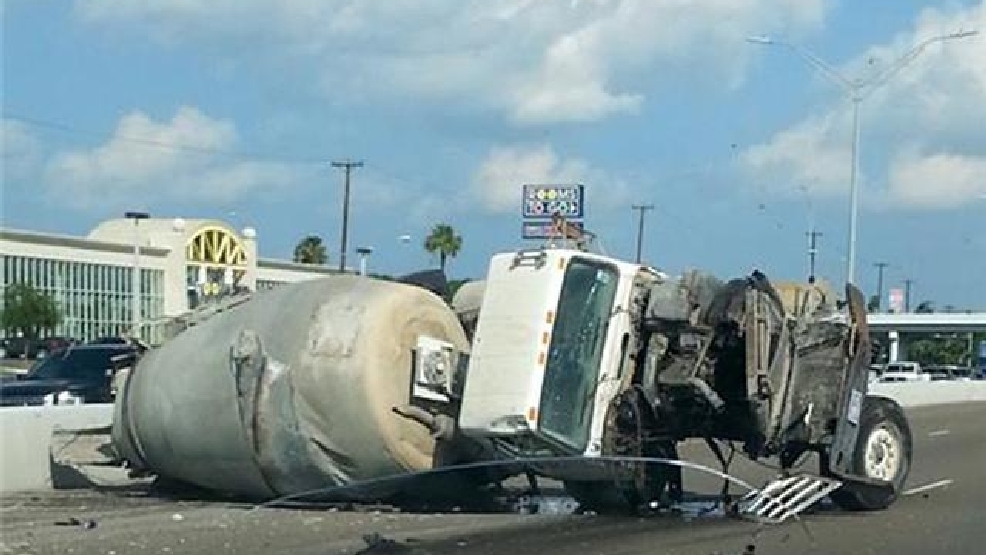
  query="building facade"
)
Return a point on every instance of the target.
[{"x": 180, "y": 263}]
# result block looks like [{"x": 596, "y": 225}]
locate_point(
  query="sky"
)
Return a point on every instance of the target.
[{"x": 234, "y": 109}]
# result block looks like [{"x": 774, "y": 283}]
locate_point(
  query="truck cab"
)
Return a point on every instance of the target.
[
  {"x": 550, "y": 350},
  {"x": 576, "y": 354}
]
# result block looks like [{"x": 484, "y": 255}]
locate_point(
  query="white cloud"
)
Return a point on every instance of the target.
[
  {"x": 806, "y": 157},
  {"x": 533, "y": 61},
  {"x": 498, "y": 181},
  {"x": 500, "y": 177},
  {"x": 19, "y": 148},
  {"x": 936, "y": 103},
  {"x": 181, "y": 159},
  {"x": 938, "y": 180}
]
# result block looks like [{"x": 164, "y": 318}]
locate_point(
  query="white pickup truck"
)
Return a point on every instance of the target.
[{"x": 904, "y": 372}]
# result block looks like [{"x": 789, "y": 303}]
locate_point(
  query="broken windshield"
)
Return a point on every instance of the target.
[{"x": 577, "y": 340}]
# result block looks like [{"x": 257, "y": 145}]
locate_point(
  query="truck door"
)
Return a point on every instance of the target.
[{"x": 578, "y": 340}]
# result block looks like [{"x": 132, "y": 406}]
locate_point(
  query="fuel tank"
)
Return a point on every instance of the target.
[{"x": 290, "y": 391}]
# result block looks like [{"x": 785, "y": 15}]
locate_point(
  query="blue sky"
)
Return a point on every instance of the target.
[{"x": 233, "y": 108}]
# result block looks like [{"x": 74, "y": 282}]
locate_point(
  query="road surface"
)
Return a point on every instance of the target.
[{"x": 942, "y": 512}]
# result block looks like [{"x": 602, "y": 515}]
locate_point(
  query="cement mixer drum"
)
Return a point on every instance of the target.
[{"x": 290, "y": 391}]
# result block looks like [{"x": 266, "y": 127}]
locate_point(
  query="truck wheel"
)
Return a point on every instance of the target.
[{"x": 883, "y": 452}]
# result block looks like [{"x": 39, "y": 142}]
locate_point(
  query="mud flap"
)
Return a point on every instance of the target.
[{"x": 841, "y": 454}]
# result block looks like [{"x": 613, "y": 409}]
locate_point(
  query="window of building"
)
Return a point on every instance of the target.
[{"x": 94, "y": 299}]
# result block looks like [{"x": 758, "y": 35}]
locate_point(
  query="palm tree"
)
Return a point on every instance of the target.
[
  {"x": 310, "y": 250},
  {"x": 445, "y": 242}
]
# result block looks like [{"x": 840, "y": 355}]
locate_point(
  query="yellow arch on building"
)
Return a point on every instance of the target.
[{"x": 214, "y": 245}]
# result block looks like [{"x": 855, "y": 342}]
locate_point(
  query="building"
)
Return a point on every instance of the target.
[{"x": 182, "y": 264}]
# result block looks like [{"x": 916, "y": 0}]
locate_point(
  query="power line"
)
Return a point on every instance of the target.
[
  {"x": 640, "y": 229},
  {"x": 400, "y": 179},
  {"x": 348, "y": 166},
  {"x": 68, "y": 129}
]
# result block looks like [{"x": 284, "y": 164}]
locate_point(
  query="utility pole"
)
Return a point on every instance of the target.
[
  {"x": 348, "y": 166},
  {"x": 880, "y": 266},
  {"x": 907, "y": 295},
  {"x": 640, "y": 228},
  {"x": 812, "y": 252}
]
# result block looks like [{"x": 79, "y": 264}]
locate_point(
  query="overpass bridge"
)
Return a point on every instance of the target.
[
  {"x": 896, "y": 324},
  {"x": 928, "y": 323}
]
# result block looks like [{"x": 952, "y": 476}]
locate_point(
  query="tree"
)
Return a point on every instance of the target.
[
  {"x": 29, "y": 311},
  {"x": 874, "y": 304},
  {"x": 310, "y": 250},
  {"x": 930, "y": 349},
  {"x": 926, "y": 307},
  {"x": 445, "y": 242}
]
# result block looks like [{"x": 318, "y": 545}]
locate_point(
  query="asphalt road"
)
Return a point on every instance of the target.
[{"x": 950, "y": 453}]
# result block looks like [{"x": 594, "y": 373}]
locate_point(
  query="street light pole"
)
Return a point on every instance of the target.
[
  {"x": 853, "y": 192},
  {"x": 640, "y": 228},
  {"x": 857, "y": 90},
  {"x": 880, "y": 267},
  {"x": 135, "y": 324},
  {"x": 813, "y": 236}
]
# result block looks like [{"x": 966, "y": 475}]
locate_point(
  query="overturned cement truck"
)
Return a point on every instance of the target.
[{"x": 557, "y": 353}]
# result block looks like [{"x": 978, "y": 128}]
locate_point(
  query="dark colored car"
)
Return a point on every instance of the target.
[
  {"x": 109, "y": 341},
  {"x": 23, "y": 348},
  {"x": 83, "y": 371},
  {"x": 33, "y": 349}
]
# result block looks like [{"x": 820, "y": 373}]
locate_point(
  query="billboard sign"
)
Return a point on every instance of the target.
[
  {"x": 542, "y": 201},
  {"x": 543, "y": 230},
  {"x": 896, "y": 300}
]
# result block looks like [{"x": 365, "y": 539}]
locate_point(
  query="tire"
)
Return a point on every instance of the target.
[
  {"x": 883, "y": 452},
  {"x": 643, "y": 482}
]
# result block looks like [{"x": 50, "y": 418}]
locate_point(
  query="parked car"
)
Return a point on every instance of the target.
[
  {"x": 941, "y": 372},
  {"x": 937, "y": 373},
  {"x": 109, "y": 341},
  {"x": 77, "y": 374}
]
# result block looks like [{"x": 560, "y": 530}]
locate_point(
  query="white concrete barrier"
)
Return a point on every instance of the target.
[
  {"x": 918, "y": 394},
  {"x": 26, "y": 462}
]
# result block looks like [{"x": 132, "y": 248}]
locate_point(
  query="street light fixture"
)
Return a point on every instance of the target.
[
  {"x": 857, "y": 90},
  {"x": 135, "y": 277}
]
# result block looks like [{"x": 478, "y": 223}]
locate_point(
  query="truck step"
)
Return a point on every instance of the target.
[{"x": 786, "y": 497}]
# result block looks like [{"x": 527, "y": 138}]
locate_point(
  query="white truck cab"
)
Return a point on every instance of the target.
[
  {"x": 577, "y": 355},
  {"x": 555, "y": 328}
]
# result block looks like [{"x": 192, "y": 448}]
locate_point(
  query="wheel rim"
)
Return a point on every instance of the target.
[{"x": 883, "y": 454}]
